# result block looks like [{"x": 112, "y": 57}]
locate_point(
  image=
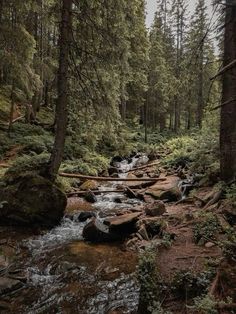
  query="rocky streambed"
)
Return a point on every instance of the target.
[{"x": 87, "y": 263}]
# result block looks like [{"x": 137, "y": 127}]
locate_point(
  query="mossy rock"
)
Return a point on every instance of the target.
[
  {"x": 89, "y": 185},
  {"x": 31, "y": 200}
]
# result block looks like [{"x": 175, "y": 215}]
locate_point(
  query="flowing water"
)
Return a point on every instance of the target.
[{"x": 66, "y": 275}]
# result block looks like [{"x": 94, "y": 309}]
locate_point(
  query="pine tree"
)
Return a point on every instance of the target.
[{"x": 62, "y": 89}]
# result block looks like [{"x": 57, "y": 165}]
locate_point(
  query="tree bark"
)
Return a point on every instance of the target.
[
  {"x": 61, "y": 115},
  {"x": 228, "y": 113}
]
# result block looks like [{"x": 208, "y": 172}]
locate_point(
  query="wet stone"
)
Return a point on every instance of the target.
[
  {"x": 83, "y": 216},
  {"x": 8, "y": 285},
  {"x": 90, "y": 197}
]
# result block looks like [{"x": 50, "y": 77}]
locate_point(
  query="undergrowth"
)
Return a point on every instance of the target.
[{"x": 206, "y": 228}]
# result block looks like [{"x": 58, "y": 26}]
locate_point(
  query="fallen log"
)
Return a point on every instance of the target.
[
  {"x": 79, "y": 192},
  {"x": 144, "y": 166},
  {"x": 80, "y": 176}
]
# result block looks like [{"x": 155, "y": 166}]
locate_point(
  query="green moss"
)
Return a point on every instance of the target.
[{"x": 31, "y": 199}]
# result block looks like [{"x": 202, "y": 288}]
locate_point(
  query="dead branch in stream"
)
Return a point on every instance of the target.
[{"x": 80, "y": 176}]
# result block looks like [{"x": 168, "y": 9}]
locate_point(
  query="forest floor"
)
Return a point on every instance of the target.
[{"x": 188, "y": 244}]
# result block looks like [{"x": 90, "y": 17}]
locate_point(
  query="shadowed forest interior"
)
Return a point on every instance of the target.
[{"x": 117, "y": 157}]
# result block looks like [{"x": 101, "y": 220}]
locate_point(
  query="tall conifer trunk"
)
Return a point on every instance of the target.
[
  {"x": 228, "y": 112},
  {"x": 61, "y": 115}
]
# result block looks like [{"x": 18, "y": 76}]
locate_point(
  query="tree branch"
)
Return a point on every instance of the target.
[{"x": 224, "y": 69}]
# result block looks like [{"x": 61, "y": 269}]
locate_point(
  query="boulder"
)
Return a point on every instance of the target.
[
  {"x": 89, "y": 185},
  {"x": 155, "y": 209},
  {"x": 167, "y": 190},
  {"x": 31, "y": 200},
  {"x": 123, "y": 225},
  {"x": 8, "y": 285},
  {"x": 90, "y": 197},
  {"x": 96, "y": 232}
]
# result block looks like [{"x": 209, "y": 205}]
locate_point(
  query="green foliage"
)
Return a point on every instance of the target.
[
  {"x": 90, "y": 164},
  {"x": 231, "y": 194},
  {"x": 187, "y": 284},
  {"x": 66, "y": 184},
  {"x": 151, "y": 285},
  {"x": 205, "y": 305},
  {"x": 148, "y": 279},
  {"x": 158, "y": 309},
  {"x": 206, "y": 228},
  {"x": 180, "y": 149},
  {"x": 28, "y": 164}
]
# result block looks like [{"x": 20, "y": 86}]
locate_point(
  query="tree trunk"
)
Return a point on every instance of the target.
[
  {"x": 228, "y": 113},
  {"x": 12, "y": 108},
  {"x": 61, "y": 115},
  {"x": 200, "y": 89}
]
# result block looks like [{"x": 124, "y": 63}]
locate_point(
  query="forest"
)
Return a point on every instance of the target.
[{"x": 117, "y": 157}]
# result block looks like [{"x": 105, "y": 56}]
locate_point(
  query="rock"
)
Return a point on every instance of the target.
[
  {"x": 130, "y": 193},
  {"x": 123, "y": 220},
  {"x": 147, "y": 198},
  {"x": 96, "y": 232},
  {"x": 8, "y": 285},
  {"x": 139, "y": 174},
  {"x": 78, "y": 204},
  {"x": 116, "y": 159},
  {"x": 209, "y": 245},
  {"x": 115, "y": 175},
  {"x": 167, "y": 190},
  {"x": 83, "y": 216},
  {"x": 31, "y": 200},
  {"x": 118, "y": 200},
  {"x": 90, "y": 197},
  {"x": 123, "y": 225},
  {"x": 89, "y": 185},
  {"x": 112, "y": 170},
  {"x": 155, "y": 209}
]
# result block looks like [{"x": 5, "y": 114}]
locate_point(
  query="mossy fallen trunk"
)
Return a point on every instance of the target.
[{"x": 31, "y": 200}]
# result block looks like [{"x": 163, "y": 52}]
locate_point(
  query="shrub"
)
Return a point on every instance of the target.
[
  {"x": 180, "y": 149},
  {"x": 27, "y": 164},
  {"x": 205, "y": 305},
  {"x": 231, "y": 194},
  {"x": 206, "y": 228},
  {"x": 186, "y": 284},
  {"x": 148, "y": 280}
]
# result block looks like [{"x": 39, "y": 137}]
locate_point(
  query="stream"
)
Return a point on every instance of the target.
[{"x": 63, "y": 274}]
